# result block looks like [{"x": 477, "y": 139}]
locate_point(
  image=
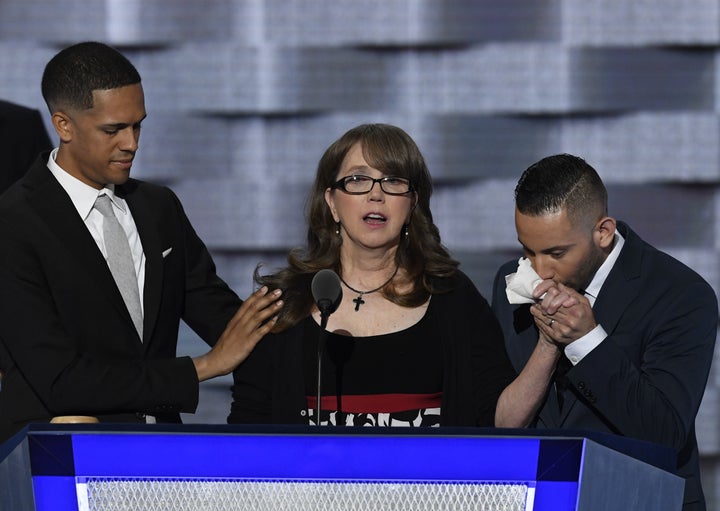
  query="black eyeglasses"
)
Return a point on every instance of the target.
[{"x": 359, "y": 185}]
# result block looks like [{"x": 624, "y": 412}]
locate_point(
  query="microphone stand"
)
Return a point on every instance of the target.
[
  {"x": 327, "y": 293},
  {"x": 324, "y": 315}
]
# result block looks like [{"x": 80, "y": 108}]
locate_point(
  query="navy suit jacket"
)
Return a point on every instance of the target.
[
  {"x": 72, "y": 345},
  {"x": 647, "y": 378}
]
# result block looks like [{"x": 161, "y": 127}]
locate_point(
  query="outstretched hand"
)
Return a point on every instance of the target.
[{"x": 253, "y": 320}]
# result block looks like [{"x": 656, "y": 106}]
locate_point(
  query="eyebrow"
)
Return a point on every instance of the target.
[
  {"x": 359, "y": 168},
  {"x": 549, "y": 250},
  {"x": 119, "y": 125}
]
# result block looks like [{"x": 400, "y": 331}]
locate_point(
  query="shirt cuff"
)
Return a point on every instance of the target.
[{"x": 577, "y": 350}]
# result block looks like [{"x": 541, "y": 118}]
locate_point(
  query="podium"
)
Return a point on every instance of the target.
[{"x": 189, "y": 467}]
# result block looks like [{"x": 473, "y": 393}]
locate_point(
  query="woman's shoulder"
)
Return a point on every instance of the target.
[
  {"x": 458, "y": 282},
  {"x": 462, "y": 304},
  {"x": 456, "y": 289}
]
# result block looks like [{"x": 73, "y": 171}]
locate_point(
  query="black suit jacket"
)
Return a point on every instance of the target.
[
  {"x": 647, "y": 378},
  {"x": 22, "y": 137},
  {"x": 73, "y": 347}
]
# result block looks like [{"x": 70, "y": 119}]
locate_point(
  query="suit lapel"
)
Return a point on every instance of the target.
[
  {"x": 55, "y": 208},
  {"x": 623, "y": 283},
  {"x": 150, "y": 238},
  {"x": 619, "y": 289}
]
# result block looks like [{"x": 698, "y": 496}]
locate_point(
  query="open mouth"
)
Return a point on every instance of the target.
[{"x": 374, "y": 218}]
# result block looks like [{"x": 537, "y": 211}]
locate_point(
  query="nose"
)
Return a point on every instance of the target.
[
  {"x": 376, "y": 193},
  {"x": 542, "y": 266},
  {"x": 129, "y": 139}
]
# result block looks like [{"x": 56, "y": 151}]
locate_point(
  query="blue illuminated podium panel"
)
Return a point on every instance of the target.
[{"x": 89, "y": 467}]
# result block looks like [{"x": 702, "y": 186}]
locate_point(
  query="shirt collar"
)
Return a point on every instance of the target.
[
  {"x": 83, "y": 196},
  {"x": 599, "y": 279}
]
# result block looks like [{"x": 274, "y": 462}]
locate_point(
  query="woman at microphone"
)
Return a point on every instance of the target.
[{"x": 410, "y": 341}]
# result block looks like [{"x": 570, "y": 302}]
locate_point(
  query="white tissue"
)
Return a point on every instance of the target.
[{"x": 520, "y": 285}]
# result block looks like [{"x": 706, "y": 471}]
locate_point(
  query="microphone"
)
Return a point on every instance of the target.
[{"x": 327, "y": 293}]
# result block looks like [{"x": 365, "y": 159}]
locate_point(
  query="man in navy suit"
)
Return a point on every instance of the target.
[
  {"x": 635, "y": 329},
  {"x": 77, "y": 345}
]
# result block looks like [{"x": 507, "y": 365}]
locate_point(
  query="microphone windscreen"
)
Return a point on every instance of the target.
[{"x": 326, "y": 291}]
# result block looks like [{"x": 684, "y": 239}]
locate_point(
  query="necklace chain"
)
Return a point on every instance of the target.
[{"x": 359, "y": 301}]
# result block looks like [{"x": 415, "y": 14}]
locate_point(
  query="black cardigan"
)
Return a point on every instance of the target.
[{"x": 269, "y": 387}]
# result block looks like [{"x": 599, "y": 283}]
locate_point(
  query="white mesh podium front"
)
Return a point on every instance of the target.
[
  {"x": 104, "y": 467},
  {"x": 98, "y": 494}
]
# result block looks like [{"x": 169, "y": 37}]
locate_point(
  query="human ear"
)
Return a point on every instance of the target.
[
  {"x": 63, "y": 126},
  {"x": 415, "y": 200},
  {"x": 330, "y": 201},
  {"x": 604, "y": 233}
]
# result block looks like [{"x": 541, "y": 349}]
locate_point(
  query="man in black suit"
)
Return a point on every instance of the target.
[
  {"x": 635, "y": 328},
  {"x": 22, "y": 137},
  {"x": 81, "y": 341}
]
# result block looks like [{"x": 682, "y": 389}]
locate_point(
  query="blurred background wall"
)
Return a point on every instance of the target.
[{"x": 243, "y": 96}]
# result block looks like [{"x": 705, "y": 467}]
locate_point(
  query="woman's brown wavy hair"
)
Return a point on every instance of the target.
[{"x": 421, "y": 253}]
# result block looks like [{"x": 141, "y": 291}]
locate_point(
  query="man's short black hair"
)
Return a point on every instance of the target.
[
  {"x": 72, "y": 75},
  {"x": 561, "y": 181}
]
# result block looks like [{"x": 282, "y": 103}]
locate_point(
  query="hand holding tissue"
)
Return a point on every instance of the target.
[{"x": 520, "y": 285}]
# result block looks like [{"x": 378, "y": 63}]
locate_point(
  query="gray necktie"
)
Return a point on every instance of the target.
[{"x": 120, "y": 261}]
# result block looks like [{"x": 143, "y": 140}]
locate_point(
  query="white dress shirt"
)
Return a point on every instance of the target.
[
  {"x": 83, "y": 198},
  {"x": 578, "y": 349}
]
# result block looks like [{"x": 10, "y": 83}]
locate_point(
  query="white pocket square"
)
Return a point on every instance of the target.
[{"x": 166, "y": 252}]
